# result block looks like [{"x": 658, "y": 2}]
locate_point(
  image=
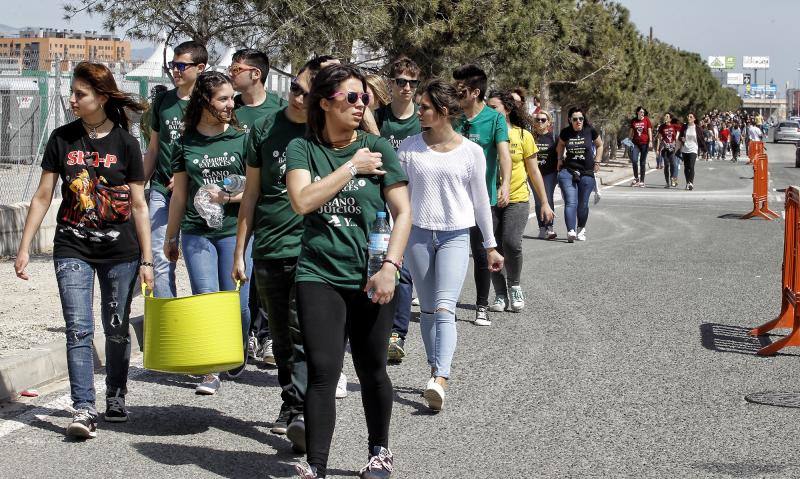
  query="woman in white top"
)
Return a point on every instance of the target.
[
  {"x": 690, "y": 144},
  {"x": 447, "y": 184}
]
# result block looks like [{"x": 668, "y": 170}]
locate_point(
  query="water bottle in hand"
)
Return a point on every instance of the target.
[
  {"x": 379, "y": 236},
  {"x": 234, "y": 184},
  {"x": 209, "y": 210}
]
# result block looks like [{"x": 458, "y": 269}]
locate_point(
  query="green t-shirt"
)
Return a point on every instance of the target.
[
  {"x": 277, "y": 229},
  {"x": 247, "y": 115},
  {"x": 394, "y": 129},
  {"x": 334, "y": 245},
  {"x": 209, "y": 159},
  {"x": 167, "y": 120},
  {"x": 487, "y": 129}
]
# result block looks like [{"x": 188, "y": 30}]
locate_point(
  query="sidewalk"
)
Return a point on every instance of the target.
[{"x": 32, "y": 346}]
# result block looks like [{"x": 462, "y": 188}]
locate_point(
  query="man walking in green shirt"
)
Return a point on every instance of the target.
[
  {"x": 188, "y": 62},
  {"x": 248, "y": 71}
]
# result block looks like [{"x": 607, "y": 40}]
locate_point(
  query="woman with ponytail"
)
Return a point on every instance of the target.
[{"x": 103, "y": 228}]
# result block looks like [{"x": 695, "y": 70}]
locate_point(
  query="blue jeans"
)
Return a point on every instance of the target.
[
  {"x": 639, "y": 161},
  {"x": 163, "y": 270},
  {"x": 402, "y": 313},
  {"x": 711, "y": 148},
  {"x": 117, "y": 281},
  {"x": 549, "y": 187},
  {"x": 671, "y": 165},
  {"x": 209, "y": 263},
  {"x": 438, "y": 262},
  {"x": 576, "y": 198}
]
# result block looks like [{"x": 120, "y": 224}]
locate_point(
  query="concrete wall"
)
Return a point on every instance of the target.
[{"x": 12, "y": 220}]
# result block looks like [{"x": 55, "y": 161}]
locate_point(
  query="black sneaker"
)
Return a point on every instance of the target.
[
  {"x": 396, "y": 348},
  {"x": 282, "y": 422},
  {"x": 296, "y": 432},
  {"x": 83, "y": 425},
  {"x": 238, "y": 370},
  {"x": 380, "y": 465},
  {"x": 115, "y": 409}
]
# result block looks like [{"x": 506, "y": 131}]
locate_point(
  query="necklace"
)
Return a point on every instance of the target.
[
  {"x": 93, "y": 128},
  {"x": 338, "y": 145},
  {"x": 437, "y": 146}
]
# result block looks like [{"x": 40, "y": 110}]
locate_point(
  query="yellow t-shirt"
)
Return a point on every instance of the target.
[{"x": 522, "y": 146}]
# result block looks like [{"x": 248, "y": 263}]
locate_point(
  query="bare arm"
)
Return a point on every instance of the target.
[
  {"x": 532, "y": 167},
  {"x": 150, "y": 156},
  {"x": 383, "y": 282},
  {"x": 141, "y": 219},
  {"x": 504, "y": 154},
  {"x": 40, "y": 203},
  {"x": 177, "y": 208},
  {"x": 244, "y": 225},
  {"x": 560, "y": 147}
]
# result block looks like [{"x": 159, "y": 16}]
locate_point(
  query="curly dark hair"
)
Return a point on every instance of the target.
[
  {"x": 200, "y": 100},
  {"x": 516, "y": 112}
]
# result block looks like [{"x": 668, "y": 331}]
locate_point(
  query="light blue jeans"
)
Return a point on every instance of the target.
[
  {"x": 438, "y": 262},
  {"x": 576, "y": 198},
  {"x": 209, "y": 263},
  {"x": 163, "y": 269}
]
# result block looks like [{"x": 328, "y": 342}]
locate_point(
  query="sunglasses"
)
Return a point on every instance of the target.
[
  {"x": 181, "y": 66},
  {"x": 296, "y": 90},
  {"x": 402, "y": 82},
  {"x": 541, "y": 120},
  {"x": 234, "y": 70},
  {"x": 577, "y": 118},
  {"x": 352, "y": 97}
]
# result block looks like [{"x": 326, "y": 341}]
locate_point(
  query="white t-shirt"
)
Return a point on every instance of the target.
[
  {"x": 754, "y": 133},
  {"x": 448, "y": 190},
  {"x": 690, "y": 140}
]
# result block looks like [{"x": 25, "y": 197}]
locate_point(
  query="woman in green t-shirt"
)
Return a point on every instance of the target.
[
  {"x": 339, "y": 178},
  {"x": 210, "y": 150}
]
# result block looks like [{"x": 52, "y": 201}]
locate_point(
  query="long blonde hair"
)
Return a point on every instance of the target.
[{"x": 379, "y": 89}]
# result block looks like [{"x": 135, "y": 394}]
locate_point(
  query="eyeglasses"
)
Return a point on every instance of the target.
[
  {"x": 181, "y": 66},
  {"x": 541, "y": 120},
  {"x": 234, "y": 70},
  {"x": 296, "y": 90},
  {"x": 577, "y": 118},
  {"x": 402, "y": 82},
  {"x": 352, "y": 97}
]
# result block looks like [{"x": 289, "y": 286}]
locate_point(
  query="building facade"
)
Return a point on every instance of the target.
[{"x": 37, "y": 49}]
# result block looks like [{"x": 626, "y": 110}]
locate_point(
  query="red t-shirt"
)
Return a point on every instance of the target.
[
  {"x": 640, "y": 129},
  {"x": 669, "y": 134},
  {"x": 724, "y": 134}
]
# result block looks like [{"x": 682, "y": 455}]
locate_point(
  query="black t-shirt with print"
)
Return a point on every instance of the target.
[
  {"x": 546, "y": 155},
  {"x": 94, "y": 220},
  {"x": 579, "y": 146}
]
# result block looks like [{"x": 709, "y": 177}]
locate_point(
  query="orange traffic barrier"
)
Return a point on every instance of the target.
[
  {"x": 789, "y": 316},
  {"x": 761, "y": 189},
  {"x": 754, "y": 148}
]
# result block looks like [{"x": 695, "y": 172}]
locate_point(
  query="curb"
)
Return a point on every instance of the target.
[{"x": 47, "y": 363}]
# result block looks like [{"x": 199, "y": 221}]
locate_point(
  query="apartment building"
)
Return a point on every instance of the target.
[{"x": 36, "y": 49}]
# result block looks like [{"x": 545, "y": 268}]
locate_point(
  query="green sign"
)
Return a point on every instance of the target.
[{"x": 730, "y": 63}]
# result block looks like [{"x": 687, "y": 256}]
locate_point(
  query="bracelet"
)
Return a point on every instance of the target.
[
  {"x": 173, "y": 240},
  {"x": 352, "y": 167},
  {"x": 146, "y": 263},
  {"x": 397, "y": 265}
]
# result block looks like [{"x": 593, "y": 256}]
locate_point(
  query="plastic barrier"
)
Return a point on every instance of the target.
[
  {"x": 197, "y": 334},
  {"x": 789, "y": 316},
  {"x": 754, "y": 149},
  {"x": 761, "y": 189}
]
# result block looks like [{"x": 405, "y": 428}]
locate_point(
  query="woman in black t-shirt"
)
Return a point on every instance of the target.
[
  {"x": 102, "y": 227},
  {"x": 578, "y": 145},
  {"x": 548, "y": 162}
]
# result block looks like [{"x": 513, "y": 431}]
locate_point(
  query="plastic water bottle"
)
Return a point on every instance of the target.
[
  {"x": 379, "y": 236},
  {"x": 234, "y": 184},
  {"x": 209, "y": 210}
]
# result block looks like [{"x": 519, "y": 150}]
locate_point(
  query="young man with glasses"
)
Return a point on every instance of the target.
[
  {"x": 188, "y": 62},
  {"x": 397, "y": 121},
  {"x": 487, "y": 128}
]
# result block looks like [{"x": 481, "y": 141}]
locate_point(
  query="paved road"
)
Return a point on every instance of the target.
[{"x": 631, "y": 360}]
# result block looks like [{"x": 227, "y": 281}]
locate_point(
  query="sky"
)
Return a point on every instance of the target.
[{"x": 709, "y": 27}]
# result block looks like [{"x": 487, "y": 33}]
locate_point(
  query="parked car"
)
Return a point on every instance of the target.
[{"x": 787, "y": 131}]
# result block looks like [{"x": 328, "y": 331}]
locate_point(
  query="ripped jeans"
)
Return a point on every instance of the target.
[
  {"x": 438, "y": 262},
  {"x": 76, "y": 287}
]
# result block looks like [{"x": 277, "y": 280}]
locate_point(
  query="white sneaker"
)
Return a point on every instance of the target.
[
  {"x": 517, "y": 299},
  {"x": 209, "y": 386},
  {"x": 581, "y": 234},
  {"x": 571, "y": 235},
  {"x": 414, "y": 301},
  {"x": 499, "y": 304},
  {"x": 543, "y": 232},
  {"x": 341, "y": 387},
  {"x": 265, "y": 352},
  {"x": 434, "y": 395},
  {"x": 252, "y": 346},
  {"x": 551, "y": 235},
  {"x": 482, "y": 316}
]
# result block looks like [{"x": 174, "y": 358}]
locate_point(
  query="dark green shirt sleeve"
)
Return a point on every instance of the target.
[
  {"x": 252, "y": 154},
  {"x": 178, "y": 162},
  {"x": 297, "y": 155},
  {"x": 391, "y": 165}
]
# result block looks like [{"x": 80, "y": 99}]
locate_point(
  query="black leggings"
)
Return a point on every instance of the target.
[
  {"x": 480, "y": 271},
  {"x": 328, "y": 316},
  {"x": 688, "y": 166}
]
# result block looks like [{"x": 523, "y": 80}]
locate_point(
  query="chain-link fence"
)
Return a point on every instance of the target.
[{"x": 34, "y": 102}]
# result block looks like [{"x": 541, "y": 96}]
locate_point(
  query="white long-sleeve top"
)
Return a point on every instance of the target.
[{"x": 448, "y": 190}]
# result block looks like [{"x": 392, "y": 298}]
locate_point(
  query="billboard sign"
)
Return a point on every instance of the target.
[
  {"x": 755, "y": 63},
  {"x": 717, "y": 63},
  {"x": 735, "y": 79},
  {"x": 730, "y": 63}
]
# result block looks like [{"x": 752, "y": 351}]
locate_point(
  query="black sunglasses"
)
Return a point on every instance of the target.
[
  {"x": 541, "y": 120},
  {"x": 181, "y": 66},
  {"x": 577, "y": 118},
  {"x": 296, "y": 90},
  {"x": 402, "y": 82},
  {"x": 352, "y": 97}
]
